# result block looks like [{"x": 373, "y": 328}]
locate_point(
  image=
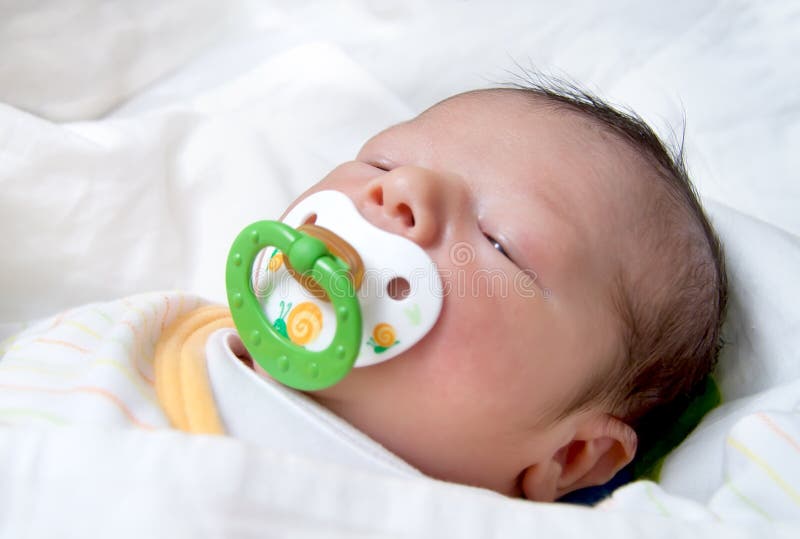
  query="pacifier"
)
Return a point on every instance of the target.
[{"x": 325, "y": 291}]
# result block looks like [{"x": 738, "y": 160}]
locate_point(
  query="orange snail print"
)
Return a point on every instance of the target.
[
  {"x": 304, "y": 323},
  {"x": 383, "y": 338},
  {"x": 275, "y": 261}
]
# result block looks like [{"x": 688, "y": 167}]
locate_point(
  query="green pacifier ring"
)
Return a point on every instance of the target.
[{"x": 285, "y": 361}]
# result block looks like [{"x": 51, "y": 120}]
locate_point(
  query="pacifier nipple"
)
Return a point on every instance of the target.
[{"x": 338, "y": 248}]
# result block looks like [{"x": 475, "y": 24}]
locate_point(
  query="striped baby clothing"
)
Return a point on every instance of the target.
[
  {"x": 167, "y": 360},
  {"x": 91, "y": 365}
]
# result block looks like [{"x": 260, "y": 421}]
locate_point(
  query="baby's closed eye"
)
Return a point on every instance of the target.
[{"x": 497, "y": 245}]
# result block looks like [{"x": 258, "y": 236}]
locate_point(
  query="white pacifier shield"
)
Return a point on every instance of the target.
[{"x": 390, "y": 326}]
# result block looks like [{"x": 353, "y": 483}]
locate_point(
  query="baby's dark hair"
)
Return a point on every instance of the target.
[{"x": 672, "y": 304}]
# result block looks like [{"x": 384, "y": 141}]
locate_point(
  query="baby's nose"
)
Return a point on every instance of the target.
[{"x": 408, "y": 201}]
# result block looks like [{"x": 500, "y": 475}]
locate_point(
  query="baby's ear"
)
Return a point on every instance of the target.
[{"x": 602, "y": 446}]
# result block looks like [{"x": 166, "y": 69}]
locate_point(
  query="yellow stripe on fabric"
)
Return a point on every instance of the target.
[
  {"x": 65, "y": 344},
  {"x": 182, "y": 384},
  {"x": 29, "y": 365},
  {"x": 8, "y": 343},
  {"x": 81, "y": 327},
  {"x": 26, "y": 412},
  {"x": 135, "y": 380},
  {"x": 650, "y": 494},
  {"x": 103, "y": 315},
  {"x": 86, "y": 351},
  {"x": 761, "y": 463},
  {"x": 91, "y": 390},
  {"x": 46, "y": 370},
  {"x": 138, "y": 311},
  {"x": 123, "y": 344},
  {"x": 747, "y": 501},
  {"x": 201, "y": 408}
]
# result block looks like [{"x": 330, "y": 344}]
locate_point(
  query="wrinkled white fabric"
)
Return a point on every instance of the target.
[{"x": 261, "y": 411}]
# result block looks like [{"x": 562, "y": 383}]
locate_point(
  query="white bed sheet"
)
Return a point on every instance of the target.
[{"x": 137, "y": 139}]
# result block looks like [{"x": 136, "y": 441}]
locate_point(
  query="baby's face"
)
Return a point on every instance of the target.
[{"x": 515, "y": 204}]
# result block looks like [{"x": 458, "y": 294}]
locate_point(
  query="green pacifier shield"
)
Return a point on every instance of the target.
[{"x": 285, "y": 361}]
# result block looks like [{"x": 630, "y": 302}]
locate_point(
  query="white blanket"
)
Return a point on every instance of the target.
[{"x": 188, "y": 120}]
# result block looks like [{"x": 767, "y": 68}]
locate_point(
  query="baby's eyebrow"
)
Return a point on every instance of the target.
[
  {"x": 539, "y": 250},
  {"x": 554, "y": 203}
]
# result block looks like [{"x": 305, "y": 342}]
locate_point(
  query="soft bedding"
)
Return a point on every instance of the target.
[{"x": 137, "y": 139}]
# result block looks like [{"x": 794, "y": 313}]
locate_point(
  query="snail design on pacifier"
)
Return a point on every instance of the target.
[{"x": 311, "y": 296}]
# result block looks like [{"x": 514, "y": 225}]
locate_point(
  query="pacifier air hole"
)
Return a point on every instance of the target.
[{"x": 398, "y": 288}]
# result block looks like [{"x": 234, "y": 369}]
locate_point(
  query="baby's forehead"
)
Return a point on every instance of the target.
[
  {"x": 525, "y": 111},
  {"x": 527, "y": 117},
  {"x": 561, "y": 151}
]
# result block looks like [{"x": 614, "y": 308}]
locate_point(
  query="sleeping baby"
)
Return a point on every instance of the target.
[{"x": 533, "y": 394}]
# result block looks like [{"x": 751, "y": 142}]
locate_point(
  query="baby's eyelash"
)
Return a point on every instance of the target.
[{"x": 497, "y": 245}]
